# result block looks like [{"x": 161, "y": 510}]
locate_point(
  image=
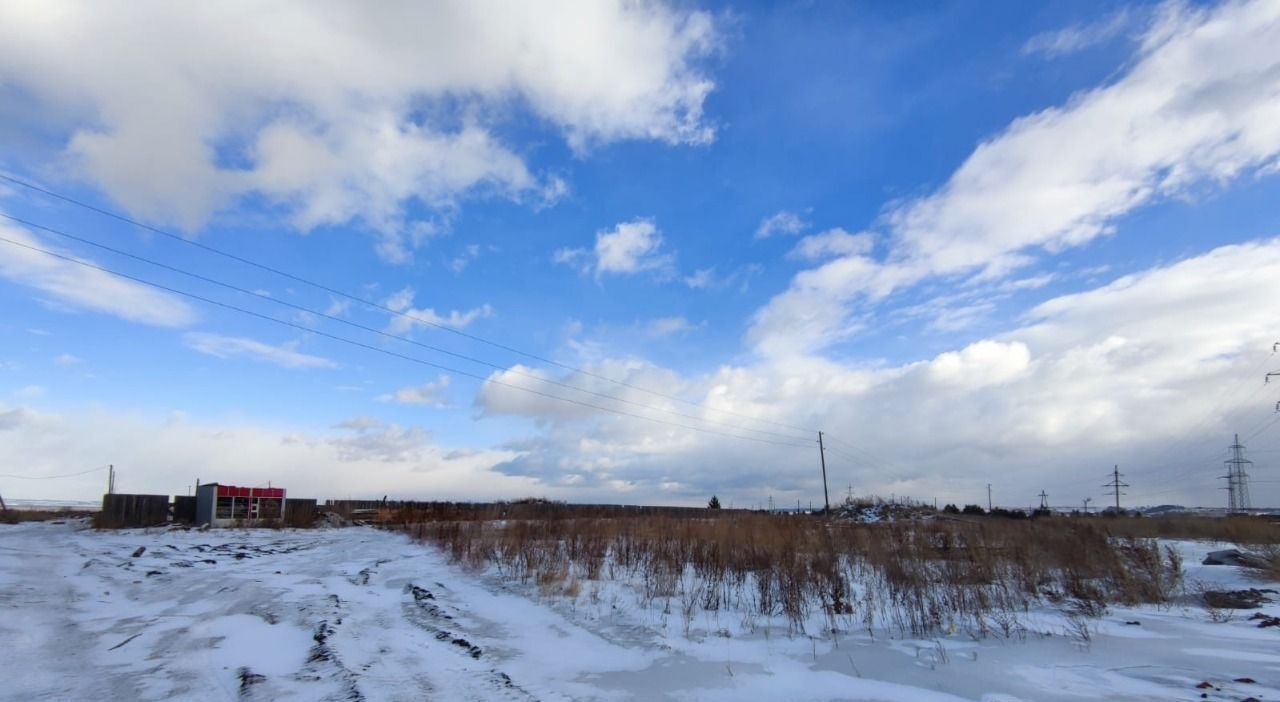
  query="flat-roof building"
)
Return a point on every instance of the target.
[{"x": 230, "y": 505}]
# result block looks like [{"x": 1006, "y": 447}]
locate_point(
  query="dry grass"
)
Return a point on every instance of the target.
[
  {"x": 16, "y": 516},
  {"x": 916, "y": 578},
  {"x": 1243, "y": 530}
]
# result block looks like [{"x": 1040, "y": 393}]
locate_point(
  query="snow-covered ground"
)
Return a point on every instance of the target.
[{"x": 360, "y": 614}]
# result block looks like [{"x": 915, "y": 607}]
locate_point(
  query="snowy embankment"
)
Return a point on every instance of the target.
[{"x": 359, "y": 614}]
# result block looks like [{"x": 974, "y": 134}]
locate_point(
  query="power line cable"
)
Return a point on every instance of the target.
[
  {"x": 375, "y": 305},
  {"x": 866, "y": 456},
  {"x": 373, "y": 330},
  {"x": 388, "y": 352},
  {"x": 51, "y": 477},
  {"x": 1190, "y": 436}
]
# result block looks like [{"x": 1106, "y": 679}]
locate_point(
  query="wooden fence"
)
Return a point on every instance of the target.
[
  {"x": 300, "y": 514},
  {"x": 125, "y": 511}
]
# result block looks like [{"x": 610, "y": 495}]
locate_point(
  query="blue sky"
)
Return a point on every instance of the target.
[{"x": 972, "y": 243}]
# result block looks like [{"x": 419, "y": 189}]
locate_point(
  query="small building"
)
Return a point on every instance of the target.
[{"x": 231, "y": 505}]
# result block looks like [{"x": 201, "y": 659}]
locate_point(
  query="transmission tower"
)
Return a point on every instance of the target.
[
  {"x": 1044, "y": 500},
  {"x": 1115, "y": 485},
  {"x": 1237, "y": 478}
]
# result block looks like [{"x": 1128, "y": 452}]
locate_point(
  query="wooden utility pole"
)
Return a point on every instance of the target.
[{"x": 822, "y": 456}]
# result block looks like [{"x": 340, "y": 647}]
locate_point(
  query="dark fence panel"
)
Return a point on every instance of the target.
[
  {"x": 299, "y": 513},
  {"x": 124, "y": 511},
  {"x": 184, "y": 509}
]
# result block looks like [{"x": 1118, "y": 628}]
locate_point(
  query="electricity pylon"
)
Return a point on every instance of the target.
[{"x": 1237, "y": 478}]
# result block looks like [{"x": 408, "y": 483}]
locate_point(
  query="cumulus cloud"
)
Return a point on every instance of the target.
[
  {"x": 1115, "y": 374},
  {"x": 1195, "y": 109},
  {"x": 627, "y": 249},
  {"x": 833, "y": 242},
  {"x": 342, "y": 113},
  {"x": 79, "y": 287},
  {"x": 285, "y": 356},
  {"x": 782, "y": 222},
  {"x": 1154, "y": 371},
  {"x": 433, "y": 393},
  {"x": 412, "y": 318}
]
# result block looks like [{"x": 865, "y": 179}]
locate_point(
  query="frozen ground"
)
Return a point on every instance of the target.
[{"x": 359, "y": 614}]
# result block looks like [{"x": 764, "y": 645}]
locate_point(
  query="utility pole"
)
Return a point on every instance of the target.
[
  {"x": 1237, "y": 478},
  {"x": 822, "y": 455},
  {"x": 1115, "y": 484},
  {"x": 111, "y": 479},
  {"x": 1044, "y": 500},
  {"x": 988, "y": 497}
]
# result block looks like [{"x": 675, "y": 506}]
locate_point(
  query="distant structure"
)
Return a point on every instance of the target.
[
  {"x": 1237, "y": 478},
  {"x": 231, "y": 505},
  {"x": 1115, "y": 485}
]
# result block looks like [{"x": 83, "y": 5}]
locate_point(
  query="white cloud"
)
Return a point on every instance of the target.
[
  {"x": 505, "y": 399},
  {"x": 1079, "y": 37},
  {"x": 631, "y": 247},
  {"x": 833, "y": 242},
  {"x": 411, "y": 317},
  {"x": 1034, "y": 282},
  {"x": 67, "y": 359},
  {"x": 433, "y": 393},
  {"x": 337, "y": 307},
  {"x": 712, "y": 279},
  {"x": 372, "y": 439},
  {"x": 783, "y": 222},
  {"x": 627, "y": 249},
  {"x": 285, "y": 356},
  {"x": 373, "y": 459},
  {"x": 460, "y": 262},
  {"x": 1196, "y": 108},
  {"x": 701, "y": 279},
  {"x": 81, "y": 287},
  {"x": 980, "y": 364},
  {"x": 1153, "y": 371},
  {"x": 344, "y": 113},
  {"x": 666, "y": 326}
]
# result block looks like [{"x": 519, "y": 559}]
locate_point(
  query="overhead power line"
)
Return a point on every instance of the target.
[
  {"x": 383, "y": 333},
  {"x": 377, "y": 305},
  {"x": 51, "y": 477},
  {"x": 388, "y": 352}
]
